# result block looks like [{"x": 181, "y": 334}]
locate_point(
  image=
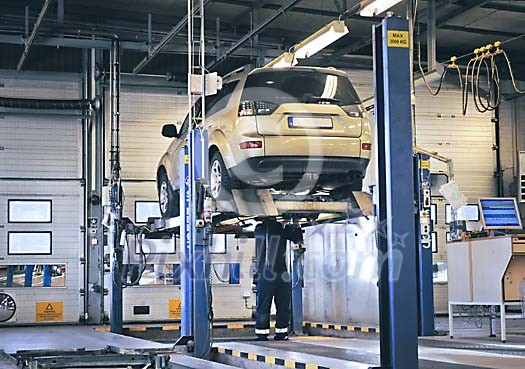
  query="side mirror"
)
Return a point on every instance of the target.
[{"x": 170, "y": 131}]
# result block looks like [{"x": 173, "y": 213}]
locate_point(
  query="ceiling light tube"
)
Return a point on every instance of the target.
[
  {"x": 320, "y": 39},
  {"x": 282, "y": 61},
  {"x": 377, "y": 7}
]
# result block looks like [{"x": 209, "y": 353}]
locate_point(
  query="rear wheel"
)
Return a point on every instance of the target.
[
  {"x": 220, "y": 181},
  {"x": 168, "y": 199}
]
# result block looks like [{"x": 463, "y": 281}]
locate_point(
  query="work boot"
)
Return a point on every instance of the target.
[
  {"x": 281, "y": 337},
  {"x": 262, "y": 337}
]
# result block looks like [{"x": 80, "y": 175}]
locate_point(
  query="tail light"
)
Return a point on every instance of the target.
[
  {"x": 252, "y": 108},
  {"x": 354, "y": 111},
  {"x": 366, "y": 146},
  {"x": 251, "y": 145}
]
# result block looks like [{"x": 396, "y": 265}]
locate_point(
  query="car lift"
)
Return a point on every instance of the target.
[
  {"x": 394, "y": 207},
  {"x": 395, "y": 196}
]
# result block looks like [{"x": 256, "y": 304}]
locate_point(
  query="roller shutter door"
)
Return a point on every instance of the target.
[
  {"x": 468, "y": 140},
  {"x": 41, "y": 159}
]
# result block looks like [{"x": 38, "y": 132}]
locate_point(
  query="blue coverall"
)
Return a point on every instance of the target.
[{"x": 273, "y": 278}]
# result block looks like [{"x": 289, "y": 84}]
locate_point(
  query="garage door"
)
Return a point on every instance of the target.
[
  {"x": 468, "y": 140},
  {"x": 41, "y": 204},
  {"x": 143, "y": 113}
]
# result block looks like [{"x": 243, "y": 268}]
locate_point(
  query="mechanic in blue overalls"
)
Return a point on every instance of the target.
[{"x": 272, "y": 277}]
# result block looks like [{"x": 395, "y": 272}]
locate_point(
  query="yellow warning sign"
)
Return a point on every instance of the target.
[
  {"x": 186, "y": 159},
  {"x": 397, "y": 38},
  {"x": 49, "y": 311},
  {"x": 174, "y": 309},
  {"x": 425, "y": 164}
]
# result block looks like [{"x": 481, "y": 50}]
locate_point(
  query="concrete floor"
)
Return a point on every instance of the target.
[
  {"x": 473, "y": 350},
  {"x": 67, "y": 338}
]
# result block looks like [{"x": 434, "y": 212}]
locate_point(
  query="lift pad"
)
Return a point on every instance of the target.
[
  {"x": 257, "y": 203},
  {"x": 261, "y": 203}
]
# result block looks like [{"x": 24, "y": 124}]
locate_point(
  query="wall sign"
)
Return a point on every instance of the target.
[
  {"x": 174, "y": 309},
  {"x": 49, "y": 311}
]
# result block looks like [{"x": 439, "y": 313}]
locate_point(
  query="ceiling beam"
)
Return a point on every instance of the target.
[
  {"x": 480, "y": 31},
  {"x": 302, "y": 10},
  {"x": 165, "y": 40},
  {"x": 105, "y": 44},
  {"x": 349, "y": 49},
  {"x": 253, "y": 6},
  {"x": 255, "y": 31},
  {"x": 339, "y": 6},
  {"x": 467, "y": 6},
  {"x": 440, "y": 23},
  {"x": 505, "y": 7},
  {"x": 34, "y": 33}
]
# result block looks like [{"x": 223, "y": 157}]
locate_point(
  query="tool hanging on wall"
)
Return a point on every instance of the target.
[{"x": 482, "y": 76}]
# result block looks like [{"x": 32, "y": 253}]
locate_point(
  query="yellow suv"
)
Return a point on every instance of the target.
[{"x": 298, "y": 130}]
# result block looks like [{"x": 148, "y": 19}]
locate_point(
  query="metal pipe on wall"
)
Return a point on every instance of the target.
[
  {"x": 47, "y": 104},
  {"x": 87, "y": 175},
  {"x": 115, "y": 223}
]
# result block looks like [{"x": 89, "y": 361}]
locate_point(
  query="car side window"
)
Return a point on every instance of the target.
[
  {"x": 221, "y": 100},
  {"x": 186, "y": 123}
]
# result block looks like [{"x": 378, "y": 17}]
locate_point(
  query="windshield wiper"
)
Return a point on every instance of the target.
[{"x": 308, "y": 98}]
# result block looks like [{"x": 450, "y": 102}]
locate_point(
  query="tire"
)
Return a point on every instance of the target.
[
  {"x": 220, "y": 181},
  {"x": 168, "y": 199}
]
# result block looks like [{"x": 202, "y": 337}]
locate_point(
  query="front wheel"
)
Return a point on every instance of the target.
[
  {"x": 220, "y": 182},
  {"x": 168, "y": 199}
]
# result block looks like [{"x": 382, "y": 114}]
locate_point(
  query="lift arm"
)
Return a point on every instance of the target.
[{"x": 441, "y": 158}]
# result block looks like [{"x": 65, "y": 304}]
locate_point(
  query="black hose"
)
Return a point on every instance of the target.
[
  {"x": 14, "y": 102},
  {"x": 465, "y": 90}
]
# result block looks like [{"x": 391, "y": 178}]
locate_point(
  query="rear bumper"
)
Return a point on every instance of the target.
[{"x": 275, "y": 169}]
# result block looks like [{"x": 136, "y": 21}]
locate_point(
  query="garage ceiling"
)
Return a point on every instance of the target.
[{"x": 462, "y": 26}]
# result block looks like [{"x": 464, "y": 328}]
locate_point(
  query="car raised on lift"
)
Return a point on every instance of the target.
[{"x": 297, "y": 131}]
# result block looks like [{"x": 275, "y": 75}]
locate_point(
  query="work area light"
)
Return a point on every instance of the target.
[
  {"x": 320, "y": 39},
  {"x": 377, "y": 7},
  {"x": 283, "y": 61},
  {"x": 327, "y": 35}
]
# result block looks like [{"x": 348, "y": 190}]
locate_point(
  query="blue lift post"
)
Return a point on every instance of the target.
[
  {"x": 424, "y": 246},
  {"x": 28, "y": 280},
  {"x": 196, "y": 319},
  {"x": 10, "y": 275},
  {"x": 46, "y": 282},
  {"x": 395, "y": 200},
  {"x": 186, "y": 271}
]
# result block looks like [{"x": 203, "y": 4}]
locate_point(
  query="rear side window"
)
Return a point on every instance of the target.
[
  {"x": 300, "y": 86},
  {"x": 221, "y": 100}
]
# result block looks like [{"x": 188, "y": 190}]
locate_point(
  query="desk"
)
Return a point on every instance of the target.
[{"x": 486, "y": 272}]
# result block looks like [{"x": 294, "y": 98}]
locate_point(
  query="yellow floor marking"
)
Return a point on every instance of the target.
[{"x": 235, "y": 326}]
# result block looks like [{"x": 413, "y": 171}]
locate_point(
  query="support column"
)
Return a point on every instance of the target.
[
  {"x": 431, "y": 35},
  {"x": 424, "y": 246},
  {"x": 395, "y": 201},
  {"x": 297, "y": 288},
  {"x": 202, "y": 317}
]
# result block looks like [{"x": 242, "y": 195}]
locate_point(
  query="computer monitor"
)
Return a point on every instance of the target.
[
  {"x": 465, "y": 213},
  {"x": 500, "y": 213}
]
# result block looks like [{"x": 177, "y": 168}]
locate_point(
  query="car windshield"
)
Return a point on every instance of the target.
[{"x": 300, "y": 86}]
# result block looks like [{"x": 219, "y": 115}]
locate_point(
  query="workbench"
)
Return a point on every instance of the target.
[{"x": 486, "y": 272}]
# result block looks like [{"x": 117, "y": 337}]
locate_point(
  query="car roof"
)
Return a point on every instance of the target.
[
  {"x": 248, "y": 71},
  {"x": 329, "y": 70}
]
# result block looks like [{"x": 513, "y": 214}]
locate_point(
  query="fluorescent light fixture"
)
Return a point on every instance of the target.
[
  {"x": 327, "y": 35},
  {"x": 377, "y": 7},
  {"x": 282, "y": 61},
  {"x": 320, "y": 39}
]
